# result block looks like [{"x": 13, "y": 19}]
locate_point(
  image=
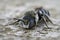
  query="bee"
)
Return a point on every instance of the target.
[
  {"x": 31, "y": 18},
  {"x": 44, "y": 15}
]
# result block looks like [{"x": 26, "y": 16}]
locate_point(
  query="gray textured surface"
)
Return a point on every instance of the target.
[{"x": 16, "y": 8}]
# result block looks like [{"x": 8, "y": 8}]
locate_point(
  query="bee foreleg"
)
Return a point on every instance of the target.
[{"x": 45, "y": 21}]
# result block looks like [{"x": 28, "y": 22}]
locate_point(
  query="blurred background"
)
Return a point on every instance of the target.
[{"x": 16, "y": 8}]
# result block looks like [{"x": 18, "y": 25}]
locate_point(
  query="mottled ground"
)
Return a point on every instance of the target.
[{"x": 16, "y": 8}]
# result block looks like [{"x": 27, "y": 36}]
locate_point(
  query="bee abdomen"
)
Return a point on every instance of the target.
[{"x": 32, "y": 23}]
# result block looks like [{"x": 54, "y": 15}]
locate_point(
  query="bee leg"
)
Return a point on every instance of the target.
[
  {"x": 15, "y": 23},
  {"x": 45, "y": 22},
  {"x": 47, "y": 17}
]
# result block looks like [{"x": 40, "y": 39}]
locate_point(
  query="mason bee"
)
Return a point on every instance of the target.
[{"x": 31, "y": 18}]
